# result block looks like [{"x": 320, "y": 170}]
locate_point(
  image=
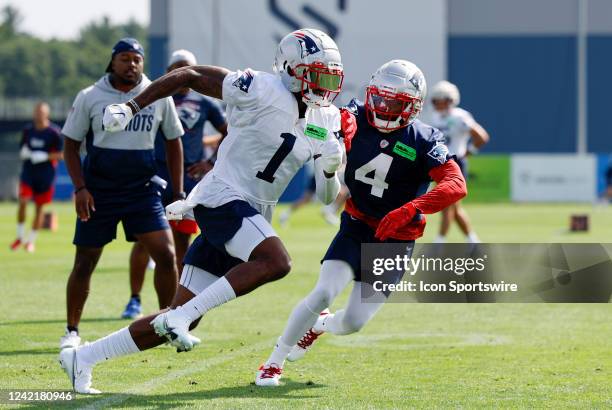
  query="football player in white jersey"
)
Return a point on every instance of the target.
[
  {"x": 464, "y": 136},
  {"x": 276, "y": 123}
]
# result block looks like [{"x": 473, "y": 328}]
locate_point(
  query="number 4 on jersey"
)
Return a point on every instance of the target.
[{"x": 380, "y": 165}]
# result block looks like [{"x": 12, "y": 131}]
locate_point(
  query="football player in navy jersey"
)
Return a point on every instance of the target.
[
  {"x": 391, "y": 159},
  {"x": 41, "y": 147},
  {"x": 194, "y": 110}
]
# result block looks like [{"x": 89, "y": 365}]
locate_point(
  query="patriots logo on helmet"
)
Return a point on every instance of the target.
[
  {"x": 417, "y": 81},
  {"x": 308, "y": 44},
  {"x": 244, "y": 81},
  {"x": 439, "y": 153}
]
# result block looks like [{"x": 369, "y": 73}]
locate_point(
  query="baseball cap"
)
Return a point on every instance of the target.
[
  {"x": 182, "y": 55},
  {"x": 125, "y": 44}
]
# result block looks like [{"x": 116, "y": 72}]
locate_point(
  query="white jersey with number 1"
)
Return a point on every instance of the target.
[{"x": 266, "y": 143}]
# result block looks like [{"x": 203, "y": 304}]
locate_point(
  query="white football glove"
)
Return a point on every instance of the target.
[
  {"x": 37, "y": 157},
  {"x": 179, "y": 210},
  {"x": 116, "y": 117},
  {"x": 25, "y": 153},
  {"x": 331, "y": 155}
]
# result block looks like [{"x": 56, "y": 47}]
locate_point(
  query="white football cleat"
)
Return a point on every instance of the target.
[
  {"x": 305, "y": 343},
  {"x": 70, "y": 339},
  {"x": 80, "y": 377},
  {"x": 174, "y": 326},
  {"x": 268, "y": 376}
]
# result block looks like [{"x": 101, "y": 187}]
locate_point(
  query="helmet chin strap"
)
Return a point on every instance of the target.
[{"x": 310, "y": 103}]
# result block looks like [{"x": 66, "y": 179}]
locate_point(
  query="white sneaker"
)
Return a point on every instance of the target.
[
  {"x": 439, "y": 239},
  {"x": 330, "y": 217},
  {"x": 472, "y": 238},
  {"x": 80, "y": 377},
  {"x": 305, "y": 343},
  {"x": 268, "y": 376},
  {"x": 174, "y": 326},
  {"x": 284, "y": 217},
  {"x": 70, "y": 339}
]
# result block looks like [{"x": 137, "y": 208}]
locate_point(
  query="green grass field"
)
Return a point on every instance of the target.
[{"x": 410, "y": 355}]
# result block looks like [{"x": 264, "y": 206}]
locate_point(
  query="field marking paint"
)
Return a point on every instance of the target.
[{"x": 152, "y": 384}]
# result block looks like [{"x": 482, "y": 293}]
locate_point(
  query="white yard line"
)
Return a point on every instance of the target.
[{"x": 154, "y": 383}]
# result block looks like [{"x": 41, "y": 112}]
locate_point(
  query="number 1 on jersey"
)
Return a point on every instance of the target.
[
  {"x": 281, "y": 153},
  {"x": 380, "y": 165}
]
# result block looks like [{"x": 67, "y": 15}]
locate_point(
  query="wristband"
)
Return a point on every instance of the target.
[
  {"x": 79, "y": 189},
  {"x": 180, "y": 195},
  {"x": 133, "y": 105}
]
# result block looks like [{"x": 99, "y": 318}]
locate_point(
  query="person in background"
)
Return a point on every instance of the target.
[
  {"x": 194, "y": 110},
  {"x": 40, "y": 149},
  {"x": 116, "y": 182},
  {"x": 463, "y": 136}
]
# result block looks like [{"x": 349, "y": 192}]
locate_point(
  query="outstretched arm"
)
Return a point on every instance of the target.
[{"x": 207, "y": 80}]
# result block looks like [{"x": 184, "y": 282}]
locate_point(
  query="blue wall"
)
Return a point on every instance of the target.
[
  {"x": 522, "y": 89},
  {"x": 599, "y": 93}
]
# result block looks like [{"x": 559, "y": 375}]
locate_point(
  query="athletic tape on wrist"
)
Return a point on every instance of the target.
[{"x": 134, "y": 106}]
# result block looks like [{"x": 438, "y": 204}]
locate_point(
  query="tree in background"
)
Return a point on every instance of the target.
[
  {"x": 32, "y": 67},
  {"x": 10, "y": 21}
]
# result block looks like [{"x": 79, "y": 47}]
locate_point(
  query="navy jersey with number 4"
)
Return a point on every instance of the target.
[{"x": 386, "y": 170}]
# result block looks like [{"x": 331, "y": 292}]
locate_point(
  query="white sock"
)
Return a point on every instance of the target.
[
  {"x": 353, "y": 317},
  {"x": 279, "y": 354},
  {"x": 218, "y": 293},
  {"x": 20, "y": 231},
  {"x": 472, "y": 237},
  {"x": 301, "y": 319},
  {"x": 114, "y": 345},
  {"x": 334, "y": 277},
  {"x": 439, "y": 239},
  {"x": 33, "y": 235}
]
